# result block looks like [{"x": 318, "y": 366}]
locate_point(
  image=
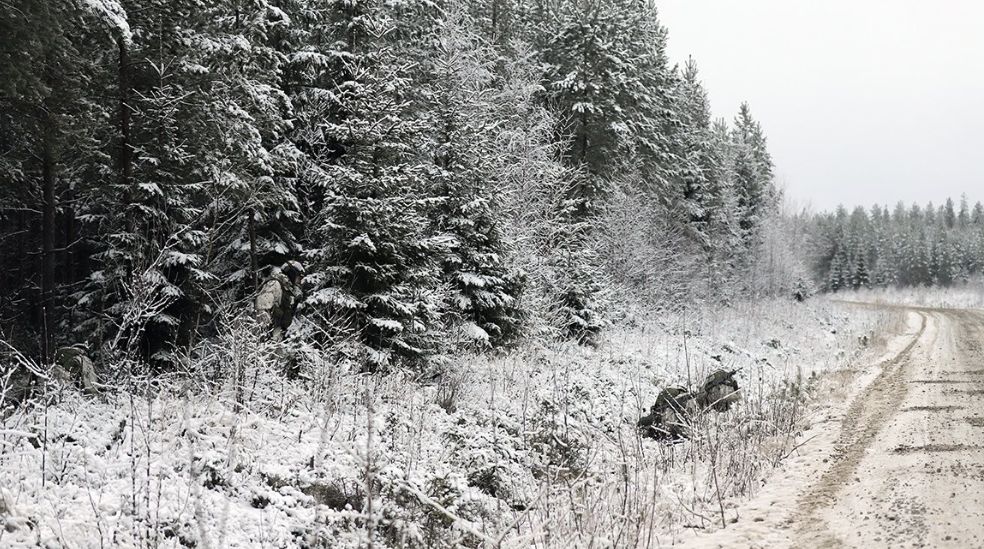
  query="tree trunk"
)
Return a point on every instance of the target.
[
  {"x": 47, "y": 237},
  {"x": 253, "y": 262},
  {"x": 70, "y": 255},
  {"x": 71, "y": 235},
  {"x": 125, "y": 157}
]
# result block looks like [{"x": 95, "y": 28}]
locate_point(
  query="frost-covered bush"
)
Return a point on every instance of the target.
[
  {"x": 575, "y": 292},
  {"x": 540, "y": 447},
  {"x": 492, "y": 452}
]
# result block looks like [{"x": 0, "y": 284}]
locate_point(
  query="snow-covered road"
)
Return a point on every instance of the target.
[{"x": 898, "y": 462}]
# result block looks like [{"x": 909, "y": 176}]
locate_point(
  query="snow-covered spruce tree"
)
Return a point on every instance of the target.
[
  {"x": 693, "y": 198},
  {"x": 977, "y": 215},
  {"x": 51, "y": 158},
  {"x": 662, "y": 131},
  {"x": 576, "y": 285},
  {"x": 905, "y": 233},
  {"x": 757, "y": 196},
  {"x": 839, "y": 278},
  {"x": 931, "y": 215},
  {"x": 961, "y": 261},
  {"x": 462, "y": 123},
  {"x": 912, "y": 246},
  {"x": 605, "y": 73},
  {"x": 252, "y": 216},
  {"x": 704, "y": 191},
  {"x": 580, "y": 74},
  {"x": 885, "y": 269},
  {"x": 963, "y": 216},
  {"x": 861, "y": 277},
  {"x": 722, "y": 214},
  {"x": 918, "y": 258},
  {"x": 949, "y": 214},
  {"x": 146, "y": 217},
  {"x": 940, "y": 259},
  {"x": 375, "y": 270},
  {"x": 497, "y": 22}
]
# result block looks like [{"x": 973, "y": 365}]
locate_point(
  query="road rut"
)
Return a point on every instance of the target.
[{"x": 903, "y": 466}]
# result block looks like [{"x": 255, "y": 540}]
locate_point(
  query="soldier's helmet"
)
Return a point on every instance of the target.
[
  {"x": 721, "y": 377},
  {"x": 720, "y": 390},
  {"x": 294, "y": 270},
  {"x": 671, "y": 397}
]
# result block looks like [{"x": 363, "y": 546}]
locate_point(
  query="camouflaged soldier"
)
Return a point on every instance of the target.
[
  {"x": 667, "y": 419},
  {"x": 73, "y": 365},
  {"x": 720, "y": 391},
  {"x": 278, "y": 298}
]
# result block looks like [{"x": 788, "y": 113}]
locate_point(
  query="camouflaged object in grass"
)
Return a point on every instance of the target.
[{"x": 670, "y": 415}]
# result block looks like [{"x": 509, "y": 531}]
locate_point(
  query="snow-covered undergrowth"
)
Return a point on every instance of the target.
[
  {"x": 968, "y": 295},
  {"x": 534, "y": 448}
]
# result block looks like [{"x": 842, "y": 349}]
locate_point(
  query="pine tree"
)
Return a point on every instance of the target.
[
  {"x": 963, "y": 217},
  {"x": 932, "y": 215},
  {"x": 942, "y": 260},
  {"x": 723, "y": 216},
  {"x": 860, "y": 277},
  {"x": 949, "y": 214},
  {"x": 838, "y": 278},
  {"x": 149, "y": 246},
  {"x": 577, "y": 292},
  {"x": 977, "y": 217}
]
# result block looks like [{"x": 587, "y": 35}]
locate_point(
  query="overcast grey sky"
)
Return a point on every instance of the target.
[{"x": 863, "y": 101}]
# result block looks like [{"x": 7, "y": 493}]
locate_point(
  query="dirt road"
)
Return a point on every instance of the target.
[{"x": 900, "y": 464}]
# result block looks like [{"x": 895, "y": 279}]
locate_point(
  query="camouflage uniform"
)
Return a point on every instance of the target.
[
  {"x": 278, "y": 297},
  {"x": 667, "y": 418},
  {"x": 720, "y": 391},
  {"x": 71, "y": 364}
]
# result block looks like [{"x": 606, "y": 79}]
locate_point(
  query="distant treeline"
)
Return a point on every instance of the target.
[{"x": 904, "y": 246}]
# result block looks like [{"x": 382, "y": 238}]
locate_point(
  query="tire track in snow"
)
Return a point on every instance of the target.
[{"x": 865, "y": 417}]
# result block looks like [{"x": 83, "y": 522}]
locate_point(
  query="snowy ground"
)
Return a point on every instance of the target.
[
  {"x": 537, "y": 447},
  {"x": 891, "y": 459},
  {"x": 962, "y": 296}
]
